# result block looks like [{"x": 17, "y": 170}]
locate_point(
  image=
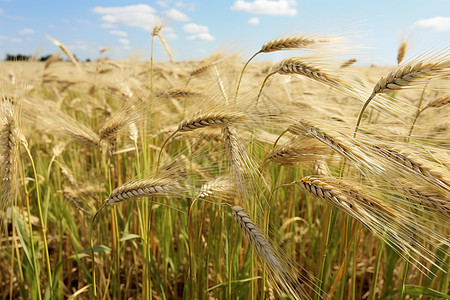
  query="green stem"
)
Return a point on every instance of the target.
[
  {"x": 33, "y": 251},
  {"x": 402, "y": 287},
  {"x": 91, "y": 241},
  {"x": 41, "y": 218},
  {"x": 242, "y": 74},
  {"x": 330, "y": 226},
  {"x": 375, "y": 273}
]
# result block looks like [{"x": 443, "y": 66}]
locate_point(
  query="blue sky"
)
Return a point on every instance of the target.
[{"x": 195, "y": 28}]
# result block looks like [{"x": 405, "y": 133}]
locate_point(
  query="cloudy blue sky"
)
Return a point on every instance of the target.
[{"x": 195, "y": 28}]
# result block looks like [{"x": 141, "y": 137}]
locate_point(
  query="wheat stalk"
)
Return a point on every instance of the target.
[
  {"x": 426, "y": 197},
  {"x": 348, "y": 63},
  {"x": 303, "y": 151},
  {"x": 156, "y": 31},
  {"x": 348, "y": 148},
  {"x": 165, "y": 182},
  {"x": 9, "y": 148},
  {"x": 438, "y": 102},
  {"x": 222, "y": 187},
  {"x": 60, "y": 123},
  {"x": 209, "y": 120},
  {"x": 66, "y": 51},
  {"x": 321, "y": 168},
  {"x": 406, "y": 75},
  {"x": 237, "y": 156},
  {"x": 413, "y": 165},
  {"x": 288, "y": 43},
  {"x": 402, "y": 51},
  {"x": 296, "y": 42},
  {"x": 300, "y": 66},
  {"x": 178, "y": 93},
  {"x": 284, "y": 275},
  {"x": 404, "y": 231}
]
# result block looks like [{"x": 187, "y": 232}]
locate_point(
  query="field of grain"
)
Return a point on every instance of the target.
[{"x": 210, "y": 180}]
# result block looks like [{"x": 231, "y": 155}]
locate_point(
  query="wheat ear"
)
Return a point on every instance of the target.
[
  {"x": 345, "y": 147},
  {"x": 402, "y": 51},
  {"x": 237, "y": 156},
  {"x": 406, "y": 75},
  {"x": 348, "y": 63},
  {"x": 164, "y": 182},
  {"x": 283, "y": 275},
  {"x": 199, "y": 121},
  {"x": 9, "y": 146},
  {"x": 285, "y": 43},
  {"x": 66, "y": 51},
  {"x": 399, "y": 227},
  {"x": 209, "y": 120},
  {"x": 302, "y": 151},
  {"x": 321, "y": 168},
  {"x": 299, "y": 66},
  {"x": 439, "y": 102},
  {"x": 178, "y": 93},
  {"x": 414, "y": 166},
  {"x": 222, "y": 187},
  {"x": 428, "y": 198}
]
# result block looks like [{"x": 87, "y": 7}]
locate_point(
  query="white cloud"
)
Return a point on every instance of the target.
[
  {"x": 1, "y": 11},
  {"x": 436, "y": 23},
  {"x": 162, "y": 3},
  {"x": 198, "y": 32},
  {"x": 124, "y": 42},
  {"x": 139, "y": 15},
  {"x": 118, "y": 32},
  {"x": 253, "y": 21},
  {"x": 10, "y": 39},
  {"x": 195, "y": 28},
  {"x": 26, "y": 31},
  {"x": 267, "y": 7},
  {"x": 201, "y": 36},
  {"x": 176, "y": 15}
]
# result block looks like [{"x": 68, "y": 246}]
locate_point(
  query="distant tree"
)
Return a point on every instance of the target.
[
  {"x": 45, "y": 57},
  {"x": 87, "y": 60},
  {"x": 17, "y": 57}
]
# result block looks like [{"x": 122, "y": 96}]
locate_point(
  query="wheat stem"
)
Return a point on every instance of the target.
[
  {"x": 41, "y": 218},
  {"x": 242, "y": 74},
  {"x": 263, "y": 84}
]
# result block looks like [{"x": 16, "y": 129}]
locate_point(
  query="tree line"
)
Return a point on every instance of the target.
[{"x": 21, "y": 57}]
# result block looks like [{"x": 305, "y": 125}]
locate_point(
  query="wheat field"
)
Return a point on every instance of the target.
[{"x": 228, "y": 177}]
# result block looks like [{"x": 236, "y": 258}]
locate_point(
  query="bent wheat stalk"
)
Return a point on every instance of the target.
[
  {"x": 283, "y": 274},
  {"x": 348, "y": 63},
  {"x": 416, "y": 167},
  {"x": 164, "y": 182},
  {"x": 203, "y": 121},
  {"x": 286, "y": 43},
  {"x": 405, "y": 232},
  {"x": 406, "y": 75},
  {"x": 299, "y": 66},
  {"x": 66, "y": 51}
]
